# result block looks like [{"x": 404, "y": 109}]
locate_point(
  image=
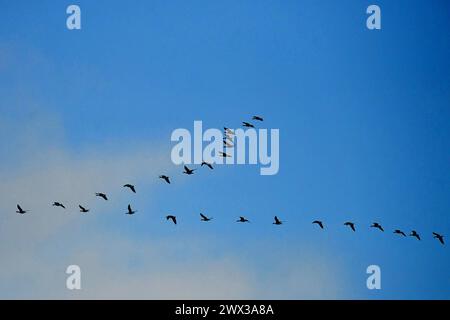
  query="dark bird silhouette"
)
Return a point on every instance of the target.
[
  {"x": 83, "y": 209},
  {"x": 209, "y": 165},
  {"x": 227, "y": 144},
  {"x": 101, "y": 195},
  {"x": 247, "y": 125},
  {"x": 205, "y": 218},
  {"x": 439, "y": 237},
  {"x": 228, "y": 131},
  {"x": 227, "y": 137},
  {"x": 224, "y": 155},
  {"x": 277, "y": 221},
  {"x": 165, "y": 178},
  {"x": 377, "y": 225},
  {"x": 188, "y": 171},
  {"x": 173, "y": 218},
  {"x": 57, "y": 204},
  {"x": 130, "y": 211},
  {"x": 257, "y": 118},
  {"x": 242, "y": 219},
  {"x": 351, "y": 225},
  {"x": 132, "y": 188},
  {"x": 319, "y": 223},
  {"x": 415, "y": 234},
  {"x": 399, "y": 232},
  {"x": 20, "y": 210}
]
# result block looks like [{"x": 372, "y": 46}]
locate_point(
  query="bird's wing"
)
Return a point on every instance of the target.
[
  {"x": 203, "y": 216},
  {"x": 19, "y": 208}
]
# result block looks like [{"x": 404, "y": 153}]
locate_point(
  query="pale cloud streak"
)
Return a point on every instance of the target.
[{"x": 36, "y": 248}]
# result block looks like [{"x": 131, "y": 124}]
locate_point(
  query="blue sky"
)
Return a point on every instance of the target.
[{"x": 364, "y": 136}]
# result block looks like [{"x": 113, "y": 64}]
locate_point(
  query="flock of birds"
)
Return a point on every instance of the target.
[{"x": 228, "y": 141}]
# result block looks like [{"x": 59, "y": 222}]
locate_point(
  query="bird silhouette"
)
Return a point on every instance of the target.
[
  {"x": 20, "y": 210},
  {"x": 57, "y": 204},
  {"x": 205, "y": 218},
  {"x": 132, "y": 188},
  {"x": 415, "y": 234},
  {"x": 173, "y": 218},
  {"x": 130, "y": 211},
  {"x": 242, "y": 219},
  {"x": 439, "y": 237},
  {"x": 228, "y": 131},
  {"x": 399, "y": 232},
  {"x": 83, "y": 209},
  {"x": 227, "y": 144},
  {"x": 224, "y": 155},
  {"x": 257, "y": 118},
  {"x": 188, "y": 171},
  {"x": 351, "y": 225},
  {"x": 277, "y": 221},
  {"x": 101, "y": 195},
  {"x": 227, "y": 137},
  {"x": 247, "y": 125},
  {"x": 319, "y": 223},
  {"x": 377, "y": 225},
  {"x": 209, "y": 165},
  {"x": 165, "y": 178}
]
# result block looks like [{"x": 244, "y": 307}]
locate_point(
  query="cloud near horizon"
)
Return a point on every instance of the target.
[{"x": 36, "y": 248}]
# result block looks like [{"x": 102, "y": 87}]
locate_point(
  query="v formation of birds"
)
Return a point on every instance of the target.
[{"x": 228, "y": 142}]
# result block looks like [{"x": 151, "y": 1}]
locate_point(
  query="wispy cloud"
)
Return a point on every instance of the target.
[{"x": 36, "y": 248}]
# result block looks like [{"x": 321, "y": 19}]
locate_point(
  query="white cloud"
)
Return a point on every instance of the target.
[{"x": 36, "y": 248}]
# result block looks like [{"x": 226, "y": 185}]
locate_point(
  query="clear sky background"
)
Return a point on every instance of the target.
[{"x": 364, "y": 136}]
